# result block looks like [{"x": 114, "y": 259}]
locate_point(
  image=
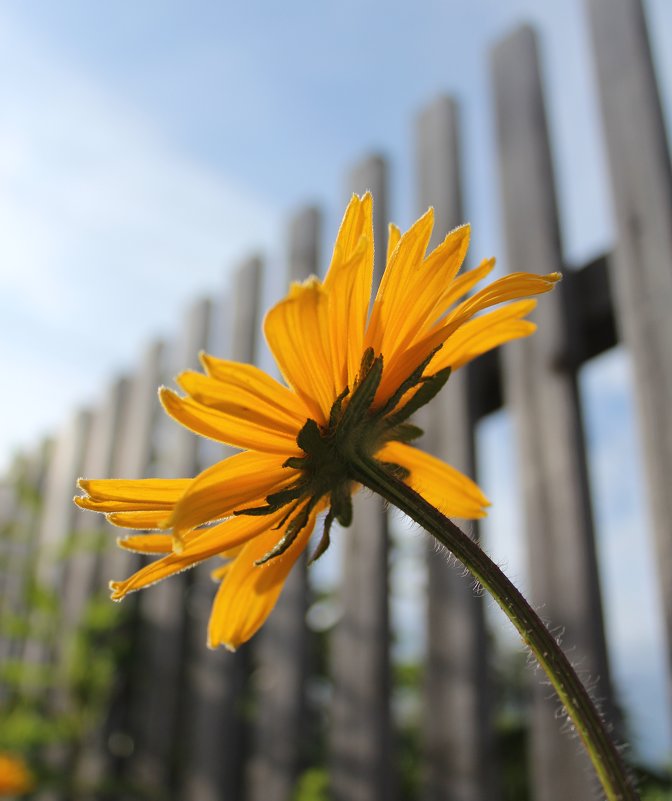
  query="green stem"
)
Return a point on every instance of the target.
[{"x": 589, "y": 724}]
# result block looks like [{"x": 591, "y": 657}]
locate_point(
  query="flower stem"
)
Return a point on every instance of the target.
[{"x": 588, "y": 722}]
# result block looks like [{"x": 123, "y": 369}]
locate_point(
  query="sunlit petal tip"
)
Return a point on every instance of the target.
[
  {"x": 230, "y": 647},
  {"x": 117, "y": 590},
  {"x": 178, "y": 543}
]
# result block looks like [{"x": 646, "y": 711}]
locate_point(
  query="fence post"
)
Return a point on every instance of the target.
[
  {"x": 540, "y": 381},
  {"x": 641, "y": 178},
  {"x": 20, "y": 519},
  {"x": 215, "y": 743},
  {"x": 82, "y": 570},
  {"x": 57, "y": 515},
  {"x": 281, "y": 732},
  {"x": 459, "y": 752},
  {"x": 156, "y": 699},
  {"x": 362, "y": 766}
]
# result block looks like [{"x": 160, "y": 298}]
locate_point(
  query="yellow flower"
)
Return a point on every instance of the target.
[
  {"x": 15, "y": 778},
  {"x": 352, "y": 381}
]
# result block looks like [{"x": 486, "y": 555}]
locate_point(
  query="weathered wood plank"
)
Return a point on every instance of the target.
[
  {"x": 641, "y": 266},
  {"x": 362, "y": 765},
  {"x": 541, "y": 387},
  {"x": 57, "y": 519},
  {"x": 161, "y": 626},
  {"x": 282, "y": 650},
  {"x": 216, "y": 736},
  {"x": 108, "y": 755},
  {"x": 459, "y": 753},
  {"x": 24, "y": 488}
]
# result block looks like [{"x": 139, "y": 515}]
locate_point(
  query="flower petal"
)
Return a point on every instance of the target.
[
  {"x": 147, "y": 543},
  {"x": 391, "y": 297},
  {"x": 228, "y": 486},
  {"x": 348, "y": 285},
  {"x": 249, "y": 592},
  {"x": 424, "y": 298},
  {"x": 227, "y": 428},
  {"x": 138, "y": 520},
  {"x": 267, "y": 393},
  {"x": 198, "y": 546},
  {"x": 484, "y": 333},
  {"x": 144, "y": 493},
  {"x": 297, "y": 332},
  {"x": 443, "y": 486}
]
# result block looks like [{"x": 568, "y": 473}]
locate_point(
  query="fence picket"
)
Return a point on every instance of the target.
[
  {"x": 362, "y": 766},
  {"x": 541, "y": 387},
  {"x": 459, "y": 758},
  {"x": 641, "y": 177}
]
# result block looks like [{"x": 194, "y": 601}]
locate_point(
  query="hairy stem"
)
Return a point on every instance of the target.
[{"x": 586, "y": 718}]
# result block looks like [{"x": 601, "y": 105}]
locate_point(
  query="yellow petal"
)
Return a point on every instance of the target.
[
  {"x": 254, "y": 384},
  {"x": 138, "y": 520},
  {"x": 510, "y": 287},
  {"x": 198, "y": 546},
  {"x": 406, "y": 258},
  {"x": 147, "y": 543},
  {"x": 230, "y": 485},
  {"x": 227, "y": 428},
  {"x": 357, "y": 223},
  {"x": 484, "y": 333},
  {"x": 348, "y": 285},
  {"x": 424, "y": 297},
  {"x": 441, "y": 485},
  {"x": 249, "y": 592},
  {"x": 85, "y": 502},
  {"x": 160, "y": 493},
  {"x": 297, "y": 332},
  {"x": 393, "y": 237}
]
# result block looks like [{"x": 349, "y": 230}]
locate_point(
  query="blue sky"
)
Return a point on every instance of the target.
[{"x": 146, "y": 148}]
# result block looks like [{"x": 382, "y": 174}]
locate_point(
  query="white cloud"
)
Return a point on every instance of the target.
[{"x": 106, "y": 231}]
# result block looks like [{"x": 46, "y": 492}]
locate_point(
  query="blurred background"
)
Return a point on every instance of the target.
[{"x": 156, "y": 154}]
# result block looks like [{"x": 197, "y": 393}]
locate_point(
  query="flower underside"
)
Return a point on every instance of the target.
[
  {"x": 355, "y": 370},
  {"x": 354, "y": 434}
]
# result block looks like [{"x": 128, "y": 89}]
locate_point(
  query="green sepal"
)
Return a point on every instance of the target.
[
  {"x": 297, "y": 524},
  {"x": 405, "y": 432},
  {"x": 396, "y": 470},
  {"x": 336, "y": 412},
  {"x": 429, "y": 387},
  {"x": 325, "y": 539},
  {"x": 411, "y": 381},
  {"x": 364, "y": 393},
  {"x": 275, "y": 501},
  {"x": 341, "y": 504},
  {"x": 310, "y": 437},
  {"x": 297, "y": 462}
]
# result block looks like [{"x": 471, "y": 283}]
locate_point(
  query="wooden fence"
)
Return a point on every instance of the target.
[{"x": 187, "y": 724}]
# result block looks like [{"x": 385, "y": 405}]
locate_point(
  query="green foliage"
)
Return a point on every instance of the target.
[
  {"x": 313, "y": 785},
  {"x": 50, "y": 708}
]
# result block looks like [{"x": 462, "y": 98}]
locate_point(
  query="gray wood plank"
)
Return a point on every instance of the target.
[
  {"x": 361, "y": 759},
  {"x": 641, "y": 178},
  {"x": 57, "y": 519},
  {"x": 161, "y": 625},
  {"x": 24, "y": 487},
  {"x": 541, "y": 388},
  {"x": 282, "y": 649},
  {"x": 216, "y": 734},
  {"x": 108, "y": 755},
  {"x": 459, "y": 747}
]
